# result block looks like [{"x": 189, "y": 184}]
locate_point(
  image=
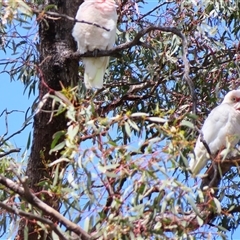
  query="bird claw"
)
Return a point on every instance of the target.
[{"x": 95, "y": 52}]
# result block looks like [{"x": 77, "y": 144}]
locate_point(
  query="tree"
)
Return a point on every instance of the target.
[{"x": 113, "y": 163}]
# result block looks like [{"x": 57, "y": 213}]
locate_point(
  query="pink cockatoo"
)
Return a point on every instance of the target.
[
  {"x": 222, "y": 126},
  {"x": 97, "y": 31}
]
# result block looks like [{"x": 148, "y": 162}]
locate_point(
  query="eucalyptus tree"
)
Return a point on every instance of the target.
[{"x": 113, "y": 163}]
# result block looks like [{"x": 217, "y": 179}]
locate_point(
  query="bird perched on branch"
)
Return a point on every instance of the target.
[
  {"x": 95, "y": 29},
  {"x": 220, "y": 130}
]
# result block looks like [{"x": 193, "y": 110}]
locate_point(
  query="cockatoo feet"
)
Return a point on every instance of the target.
[{"x": 95, "y": 52}]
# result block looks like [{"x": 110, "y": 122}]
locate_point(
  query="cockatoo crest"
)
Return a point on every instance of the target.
[
  {"x": 95, "y": 30},
  {"x": 221, "y": 127}
]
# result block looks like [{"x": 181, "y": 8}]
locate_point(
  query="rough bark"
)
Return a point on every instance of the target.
[{"x": 56, "y": 42}]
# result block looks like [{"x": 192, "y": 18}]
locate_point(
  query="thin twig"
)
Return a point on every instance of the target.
[
  {"x": 6, "y": 123},
  {"x": 60, "y": 15},
  {"x": 152, "y": 10},
  {"x": 9, "y": 152},
  {"x": 17, "y": 132}
]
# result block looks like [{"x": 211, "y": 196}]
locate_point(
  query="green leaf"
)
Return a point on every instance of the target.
[
  {"x": 58, "y": 147},
  {"x": 56, "y": 174},
  {"x": 108, "y": 167},
  {"x": 133, "y": 125},
  {"x": 29, "y": 141},
  {"x": 187, "y": 124},
  {"x": 56, "y": 137},
  {"x": 157, "y": 119},
  {"x": 127, "y": 129},
  {"x": 73, "y": 131},
  {"x": 200, "y": 221}
]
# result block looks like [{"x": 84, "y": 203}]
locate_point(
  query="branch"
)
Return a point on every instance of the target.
[
  {"x": 34, "y": 217},
  {"x": 17, "y": 132},
  {"x": 35, "y": 201},
  {"x": 154, "y": 9},
  {"x": 215, "y": 170},
  {"x": 9, "y": 152},
  {"x": 61, "y": 15},
  {"x": 234, "y": 210},
  {"x": 6, "y": 125},
  {"x": 172, "y": 221},
  {"x": 223, "y": 168},
  {"x": 136, "y": 41},
  {"x": 130, "y": 96}
]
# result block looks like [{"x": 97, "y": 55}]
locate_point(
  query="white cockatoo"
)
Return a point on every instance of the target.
[
  {"x": 222, "y": 126},
  {"x": 96, "y": 31}
]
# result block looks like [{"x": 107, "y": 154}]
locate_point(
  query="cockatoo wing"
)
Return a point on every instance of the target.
[
  {"x": 222, "y": 125},
  {"x": 98, "y": 31}
]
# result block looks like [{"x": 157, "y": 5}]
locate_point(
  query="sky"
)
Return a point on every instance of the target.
[{"x": 12, "y": 97}]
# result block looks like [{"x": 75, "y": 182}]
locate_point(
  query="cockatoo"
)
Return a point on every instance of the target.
[
  {"x": 95, "y": 31},
  {"x": 222, "y": 126}
]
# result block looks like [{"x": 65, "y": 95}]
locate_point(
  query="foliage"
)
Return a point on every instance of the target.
[{"x": 126, "y": 146}]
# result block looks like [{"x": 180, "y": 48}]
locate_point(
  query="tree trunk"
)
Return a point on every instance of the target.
[{"x": 56, "y": 42}]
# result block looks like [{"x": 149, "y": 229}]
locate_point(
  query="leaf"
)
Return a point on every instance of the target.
[
  {"x": 139, "y": 114},
  {"x": 56, "y": 137},
  {"x": 112, "y": 143},
  {"x": 157, "y": 119},
  {"x": 71, "y": 113},
  {"x": 200, "y": 221},
  {"x": 217, "y": 205},
  {"x": 164, "y": 206},
  {"x": 187, "y": 124},
  {"x": 190, "y": 200},
  {"x": 87, "y": 224},
  {"x": 103, "y": 169},
  {"x": 29, "y": 140},
  {"x": 58, "y": 147},
  {"x": 56, "y": 174},
  {"x": 133, "y": 125},
  {"x": 24, "y": 8},
  {"x": 127, "y": 129},
  {"x": 71, "y": 180},
  {"x": 59, "y": 161},
  {"x": 73, "y": 131}
]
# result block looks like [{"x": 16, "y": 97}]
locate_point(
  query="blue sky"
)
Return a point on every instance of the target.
[{"x": 12, "y": 98}]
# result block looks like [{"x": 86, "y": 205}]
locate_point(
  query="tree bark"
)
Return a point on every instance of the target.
[{"x": 56, "y": 42}]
